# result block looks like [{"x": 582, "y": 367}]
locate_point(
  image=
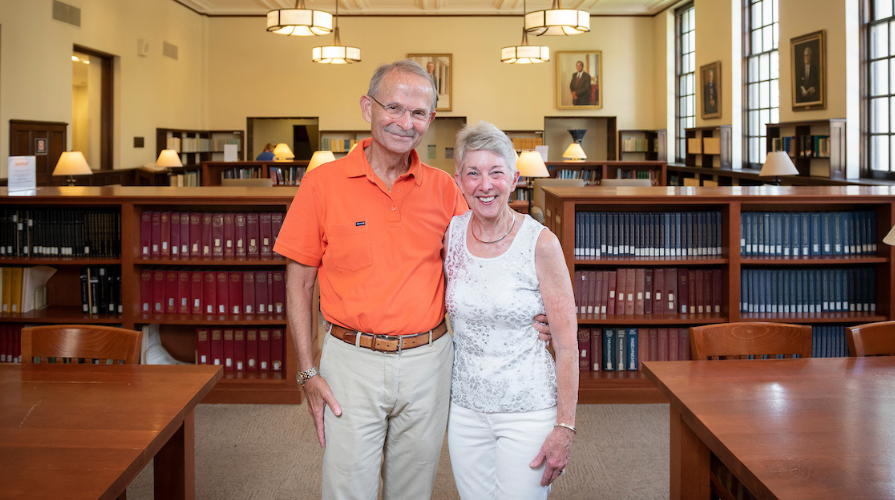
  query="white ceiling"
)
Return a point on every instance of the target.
[{"x": 429, "y": 7}]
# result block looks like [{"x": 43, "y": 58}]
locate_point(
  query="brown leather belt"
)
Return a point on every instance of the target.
[{"x": 388, "y": 343}]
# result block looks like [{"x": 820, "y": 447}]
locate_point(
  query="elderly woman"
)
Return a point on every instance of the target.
[{"x": 512, "y": 416}]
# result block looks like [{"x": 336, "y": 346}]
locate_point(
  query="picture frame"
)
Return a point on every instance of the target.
[
  {"x": 567, "y": 79},
  {"x": 710, "y": 84},
  {"x": 442, "y": 72},
  {"x": 808, "y": 58},
  {"x": 40, "y": 145}
]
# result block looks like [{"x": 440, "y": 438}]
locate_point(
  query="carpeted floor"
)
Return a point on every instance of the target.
[{"x": 270, "y": 452}]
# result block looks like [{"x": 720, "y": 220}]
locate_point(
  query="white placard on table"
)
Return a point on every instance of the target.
[
  {"x": 231, "y": 152},
  {"x": 21, "y": 173}
]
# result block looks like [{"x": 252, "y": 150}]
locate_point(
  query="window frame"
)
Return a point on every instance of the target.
[
  {"x": 680, "y": 135},
  {"x": 748, "y": 56}
]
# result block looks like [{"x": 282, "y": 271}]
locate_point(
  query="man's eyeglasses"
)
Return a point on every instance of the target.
[{"x": 397, "y": 111}]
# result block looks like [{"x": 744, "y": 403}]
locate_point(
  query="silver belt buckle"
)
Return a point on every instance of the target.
[{"x": 388, "y": 337}]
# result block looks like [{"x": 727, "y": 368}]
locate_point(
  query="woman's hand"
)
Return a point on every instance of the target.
[{"x": 557, "y": 451}]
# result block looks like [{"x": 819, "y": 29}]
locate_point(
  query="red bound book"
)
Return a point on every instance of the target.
[
  {"x": 621, "y": 291},
  {"x": 642, "y": 347},
  {"x": 584, "y": 306},
  {"x": 206, "y": 240},
  {"x": 611, "y": 299},
  {"x": 673, "y": 344},
  {"x": 195, "y": 239},
  {"x": 229, "y": 235},
  {"x": 653, "y": 344},
  {"x": 175, "y": 235},
  {"x": 239, "y": 350},
  {"x": 223, "y": 290},
  {"x": 580, "y": 308},
  {"x": 156, "y": 235},
  {"x": 639, "y": 288},
  {"x": 276, "y": 349},
  {"x": 170, "y": 291},
  {"x": 684, "y": 344},
  {"x": 683, "y": 290},
  {"x": 235, "y": 293},
  {"x": 251, "y": 349},
  {"x": 248, "y": 293},
  {"x": 252, "y": 234},
  {"x": 183, "y": 292},
  {"x": 276, "y": 222},
  {"x": 217, "y": 236},
  {"x": 217, "y": 346},
  {"x": 659, "y": 291},
  {"x": 596, "y": 286},
  {"x": 197, "y": 292},
  {"x": 165, "y": 235},
  {"x": 185, "y": 235},
  {"x": 596, "y": 349},
  {"x": 265, "y": 231},
  {"x": 662, "y": 334},
  {"x": 270, "y": 309},
  {"x": 648, "y": 291},
  {"x": 240, "y": 235},
  {"x": 261, "y": 292},
  {"x": 228, "y": 349},
  {"x": 279, "y": 291},
  {"x": 158, "y": 291},
  {"x": 630, "y": 283},
  {"x": 6, "y": 355},
  {"x": 671, "y": 290},
  {"x": 264, "y": 349},
  {"x": 692, "y": 277},
  {"x": 716, "y": 290},
  {"x": 699, "y": 289},
  {"x": 604, "y": 291},
  {"x": 584, "y": 350},
  {"x": 146, "y": 291},
  {"x": 146, "y": 235},
  {"x": 203, "y": 346}
]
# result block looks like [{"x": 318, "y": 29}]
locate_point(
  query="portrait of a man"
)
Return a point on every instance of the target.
[
  {"x": 711, "y": 90},
  {"x": 808, "y": 71},
  {"x": 439, "y": 68},
  {"x": 579, "y": 80},
  {"x": 580, "y": 86}
]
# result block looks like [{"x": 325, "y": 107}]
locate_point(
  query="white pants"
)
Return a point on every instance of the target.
[
  {"x": 490, "y": 453},
  {"x": 394, "y": 412}
]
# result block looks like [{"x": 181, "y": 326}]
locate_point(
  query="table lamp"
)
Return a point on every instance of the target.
[
  {"x": 282, "y": 152},
  {"x": 168, "y": 158},
  {"x": 72, "y": 163},
  {"x": 531, "y": 165},
  {"x": 574, "y": 153},
  {"x": 319, "y": 158},
  {"x": 890, "y": 238},
  {"x": 778, "y": 163}
]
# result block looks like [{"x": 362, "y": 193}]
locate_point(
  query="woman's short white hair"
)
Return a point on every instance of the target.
[{"x": 484, "y": 136}]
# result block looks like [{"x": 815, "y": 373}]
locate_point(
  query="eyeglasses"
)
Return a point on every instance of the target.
[{"x": 397, "y": 111}]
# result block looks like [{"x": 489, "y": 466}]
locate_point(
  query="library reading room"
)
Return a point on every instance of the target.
[{"x": 696, "y": 196}]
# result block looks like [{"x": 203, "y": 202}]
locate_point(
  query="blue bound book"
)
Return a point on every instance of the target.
[
  {"x": 609, "y": 349},
  {"x": 631, "y": 349}
]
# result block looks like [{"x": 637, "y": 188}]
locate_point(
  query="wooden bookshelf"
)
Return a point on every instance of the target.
[
  {"x": 595, "y": 171},
  {"x": 563, "y": 203},
  {"x": 196, "y": 146},
  {"x": 341, "y": 141},
  {"x": 598, "y": 143},
  {"x": 634, "y": 145},
  {"x": 709, "y": 147},
  {"x": 214, "y": 171},
  {"x": 817, "y": 147}
]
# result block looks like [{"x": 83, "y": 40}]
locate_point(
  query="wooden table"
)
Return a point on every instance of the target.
[
  {"x": 86, "y": 431},
  {"x": 789, "y": 429}
]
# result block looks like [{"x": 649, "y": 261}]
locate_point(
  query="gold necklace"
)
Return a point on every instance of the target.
[{"x": 472, "y": 230}]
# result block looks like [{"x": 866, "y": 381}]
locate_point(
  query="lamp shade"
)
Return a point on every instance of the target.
[
  {"x": 574, "y": 152},
  {"x": 282, "y": 152},
  {"x": 778, "y": 163},
  {"x": 319, "y": 158},
  {"x": 299, "y": 21},
  {"x": 168, "y": 158},
  {"x": 72, "y": 163},
  {"x": 890, "y": 238},
  {"x": 530, "y": 164},
  {"x": 557, "y": 21},
  {"x": 525, "y": 53}
]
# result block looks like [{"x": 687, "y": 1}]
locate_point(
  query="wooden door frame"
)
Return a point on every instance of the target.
[{"x": 106, "y": 135}]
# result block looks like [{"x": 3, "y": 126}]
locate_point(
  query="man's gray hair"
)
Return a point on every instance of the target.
[
  {"x": 407, "y": 66},
  {"x": 484, "y": 136}
]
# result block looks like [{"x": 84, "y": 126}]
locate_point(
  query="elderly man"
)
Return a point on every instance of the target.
[{"x": 370, "y": 227}]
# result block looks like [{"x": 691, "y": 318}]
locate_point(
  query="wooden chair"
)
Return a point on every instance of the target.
[
  {"x": 872, "y": 339},
  {"x": 739, "y": 340},
  {"x": 81, "y": 343}
]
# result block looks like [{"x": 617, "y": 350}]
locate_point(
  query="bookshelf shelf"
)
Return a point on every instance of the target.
[
  {"x": 64, "y": 261},
  {"x": 826, "y": 317},
  {"x": 652, "y": 319},
  {"x": 812, "y": 260},
  {"x": 205, "y": 319},
  {"x": 61, "y": 314},
  {"x": 274, "y": 261},
  {"x": 652, "y": 261}
]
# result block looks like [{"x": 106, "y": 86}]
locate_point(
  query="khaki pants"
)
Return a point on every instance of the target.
[{"x": 394, "y": 414}]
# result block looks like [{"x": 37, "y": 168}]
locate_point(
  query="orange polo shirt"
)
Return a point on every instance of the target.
[{"x": 378, "y": 252}]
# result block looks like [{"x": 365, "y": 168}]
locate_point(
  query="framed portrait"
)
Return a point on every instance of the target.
[
  {"x": 710, "y": 83},
  {"x": 809, "y": 71},
  {"x": 40, "y": 146},
  {"x": 440, "y": 67},
  {"x": 579, "y": 80}
]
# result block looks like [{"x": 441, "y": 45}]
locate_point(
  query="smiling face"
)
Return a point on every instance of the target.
[
  {"x": 399, "y": 135},
  {"x": 486, "y": 181}
]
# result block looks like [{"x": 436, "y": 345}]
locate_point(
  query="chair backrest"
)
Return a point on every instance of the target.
[
  {"x": 739, "y": 340},
  {"x": 626, "y": 182},
  {"x": 537, "y": 198},
  {"x": 259, "y": 182},
  {"x": 81, "y": 342},
  {"x": 872, "y": 339}
]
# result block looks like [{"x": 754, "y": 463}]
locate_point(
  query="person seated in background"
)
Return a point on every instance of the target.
[{"x": 267, "y": 154}]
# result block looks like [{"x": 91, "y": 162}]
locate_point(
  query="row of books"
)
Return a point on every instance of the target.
[
  {"x": 635, "y": 145},
  {"x": 810, "y": 146},
  {"x": 207, "y": 235},
  {"x": 801, "y": 234},
  {"x": 829, "y": 341},
  {"x": 241, "y": 349},
  {"x": 241, "y": 173},
  {"x": 201, "y": 292},
  {"x": 627, "y": 234},
  {"x": 793, "y": 291},
  {"x": 625, "y": 349},
  {"x": 11, "y": 342},
  {"x": 337, "y": 145},
  {"x": 526, "y": 143},
  {"x": 639, "y": 291},
  {"x": 590, "y": 176},
  {"x": 199, "y": 144},
  {"x": 190, "y": 178},
  {"x": 629, "y": 173},
  {"x": 287, "y": 176},
  {"x": 521, "y": 194},
  {"x": 101, "y": 290},
  {"x": 69, "y": 232},
  {"x": 23, "y": 289}
]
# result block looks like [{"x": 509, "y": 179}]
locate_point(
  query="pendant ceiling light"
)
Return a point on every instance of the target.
[
  {"x": 524, "y": 53},
  {"x": 299, "y": 21},
  {"x": 557, "y": 21},
  {"x": 335, "y": 53}
]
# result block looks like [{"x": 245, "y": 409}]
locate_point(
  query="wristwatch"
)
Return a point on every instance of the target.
[{"x": 303, "y": 377}]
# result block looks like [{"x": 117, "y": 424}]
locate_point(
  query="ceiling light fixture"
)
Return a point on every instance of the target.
[
  {"x": 557, "y": 21},
  {"x": 335, "y": 53},
  {"x": 299, "y": 21},
  {"x": 524, "y": 53}
]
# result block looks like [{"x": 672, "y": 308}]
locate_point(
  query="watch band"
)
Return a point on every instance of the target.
[{"x": 303, "y": 377}]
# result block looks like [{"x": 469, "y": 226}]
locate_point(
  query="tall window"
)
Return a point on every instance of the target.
[
  {"x": 762, "y": 76},
  {"x": 881, "y": 78},
  {"x": 684, "y": 68}
]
